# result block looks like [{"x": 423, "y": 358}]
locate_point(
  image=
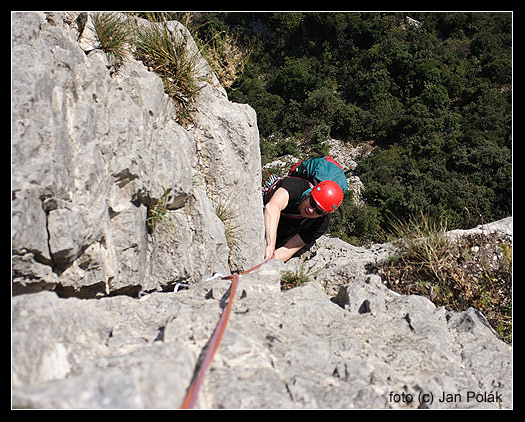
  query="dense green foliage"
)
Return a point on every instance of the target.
[{"x": 434, "y": 98}]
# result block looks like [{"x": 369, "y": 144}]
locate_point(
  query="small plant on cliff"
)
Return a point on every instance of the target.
[
  {"x": 298, "y": 276},
  {"x": 225, "y": 56},
  {"x": 423, "y": 240},
  {"x": 168, "y": 56},
  {"x": 226, "y": 214},
  {"x": 158, "y": 214},
  {"x": 474, "y": 270},
  {"x": 114, "y": 35}
]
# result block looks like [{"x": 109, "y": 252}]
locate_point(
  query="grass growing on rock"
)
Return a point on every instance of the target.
[
  {"x": 168, "y": 56},
  {"x": 159, "y": 49},
  {"x": 474, "y": 270},
  {"x": 298, "y": 276},
  {"x": 115, "y": 35}
]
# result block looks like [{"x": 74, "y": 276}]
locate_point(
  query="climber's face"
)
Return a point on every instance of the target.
[{"x": 308, "y": 208}]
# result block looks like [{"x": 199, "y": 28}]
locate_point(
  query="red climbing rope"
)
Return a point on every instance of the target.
[{"x": 193, "y": 392}]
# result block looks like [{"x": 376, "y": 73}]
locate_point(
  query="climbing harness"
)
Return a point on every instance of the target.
[{"x": 193, "y": 391}]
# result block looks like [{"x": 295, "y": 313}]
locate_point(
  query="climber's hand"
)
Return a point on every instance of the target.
[{"x": 269, "y": 252}]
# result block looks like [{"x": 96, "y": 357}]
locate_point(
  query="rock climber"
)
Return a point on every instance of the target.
[{"x": 294, "y": 220}]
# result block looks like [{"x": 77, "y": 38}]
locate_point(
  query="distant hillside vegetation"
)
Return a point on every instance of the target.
[{"x": 432, "y": 91}]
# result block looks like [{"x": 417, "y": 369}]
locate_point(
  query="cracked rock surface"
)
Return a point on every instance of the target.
[
  {"x": 281, "y": 349},
  {"x": 109, "y": 314}
]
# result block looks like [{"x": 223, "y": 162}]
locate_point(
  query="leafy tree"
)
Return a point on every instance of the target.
[{"x": 436, "y": 99}]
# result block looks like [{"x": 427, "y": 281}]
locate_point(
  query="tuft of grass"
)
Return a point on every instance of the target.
[
  {"x": 298, "y": 276},
  {"x": 225, "y": 56},
  {"x": 114, "y": 34},
  {"x": 424, "y": 240},
  {"x": 158, "y": 214},
  {"x": 224, "y": 211},
  {"x": 475, "y": 270},
  {"x": 168, "y": 56}
]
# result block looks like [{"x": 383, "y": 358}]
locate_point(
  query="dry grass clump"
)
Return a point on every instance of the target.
[
  {"x": 225, "y": 56},
  {"x": 474, "y": 270},
  {"x": 154, "y": 44},
  {"x": 298, "y": 276},
  {"x": 169, "y": 57},
  {"x": 114, "y": 34}
]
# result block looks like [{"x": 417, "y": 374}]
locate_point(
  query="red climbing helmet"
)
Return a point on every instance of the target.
[{"x": 328, "y": 195}]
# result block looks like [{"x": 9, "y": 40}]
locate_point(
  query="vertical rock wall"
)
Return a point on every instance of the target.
[{"x": 93, "y": 150}]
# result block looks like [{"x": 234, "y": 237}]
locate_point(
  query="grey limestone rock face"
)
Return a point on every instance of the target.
[
  {"x": 281, "y": 350},
  {"x": 109, "y": 313},
  {"x": 93, "y": 150}
]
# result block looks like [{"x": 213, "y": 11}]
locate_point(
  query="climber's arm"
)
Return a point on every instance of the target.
[
  {"x": 291, "y": 247},
  {"x": 272, "y": 215}
]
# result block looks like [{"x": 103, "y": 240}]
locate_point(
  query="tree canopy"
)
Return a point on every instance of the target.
[{"x": 434, "y": 95}]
